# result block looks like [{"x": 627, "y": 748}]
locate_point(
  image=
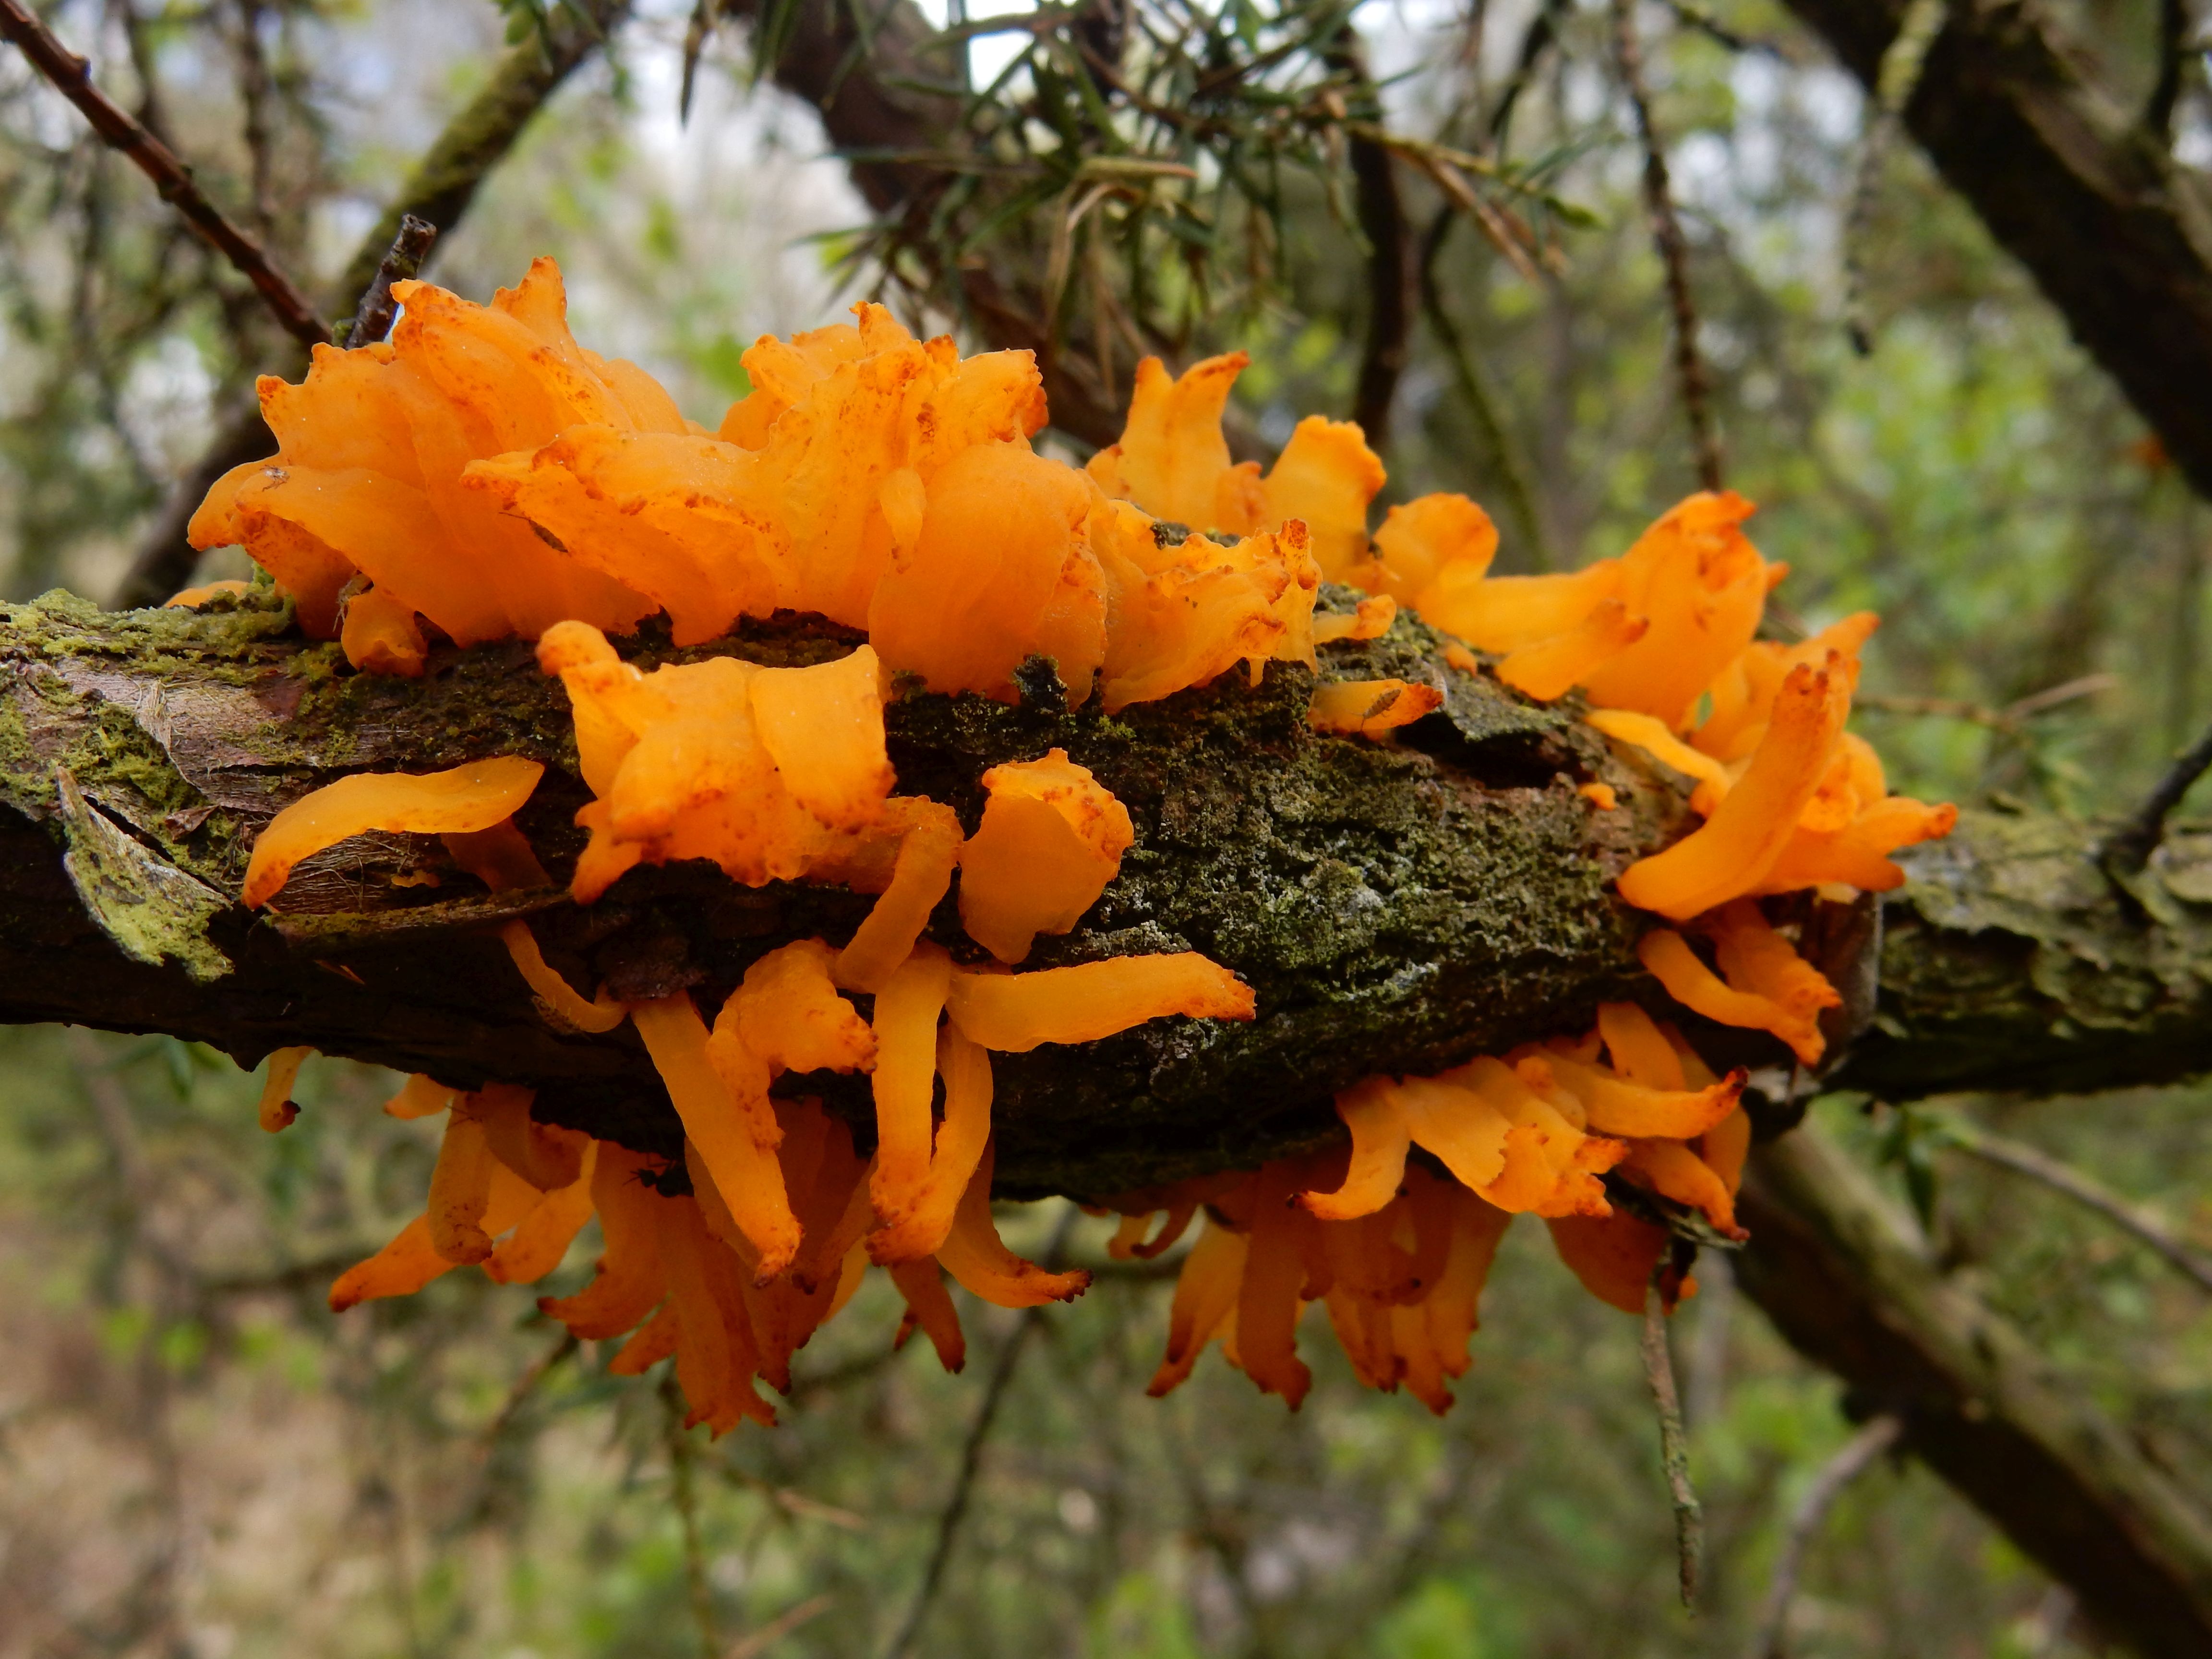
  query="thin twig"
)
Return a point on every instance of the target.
[
  {"x": 440, "y": 188},
  {"x": 1858, "y": 1454},
  {"x": 1514, "y": 473},
  {"x": 1391, "y": 274},
  {"x": 2008, "y": 718},
  {"x": 1673, "y": 251},
  {"x": 71, "y": 77},
  {"x": 371, "y": 319},
  {"x": 1902, "y": 61},
  {"x": 1542, "y": 31},
  {"x": 525, "y": 1385},
  {"x": 1674, "y": 1443},
  {"x": 2129, "y": 1218},
  {"x": 687, "y": 1515},
  {"x": 971, "y": 1455},
  {"x": 750, "y": 1647},
  {"x": 2127, "y": 849},
  {"x": 2173, "y": 54}
]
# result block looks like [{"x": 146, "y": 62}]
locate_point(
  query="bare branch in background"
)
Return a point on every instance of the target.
[
  {"x": 1893, "y": 88},
  {"x": 1848, "y": 1281},
  {"x": 1516, "y": 477},
  {"x": 1391, "y": 274},
  {"x": 2112, "y": 227},
  {"x": 2127, "y": 849},
  {"x": 2173, "y": 54},
  {"x": 439, "y": 192},
  {"x": 1673, "y": 251},
  {"x": 971, "y": 1453},
  {"x": 71, "y": 77},
  {"x": 1857, "y": 1455},
  {"x": 2137, "y": 1222}
]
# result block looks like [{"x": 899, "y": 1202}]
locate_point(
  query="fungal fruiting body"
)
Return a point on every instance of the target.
[{"x": 483, "y": 477}]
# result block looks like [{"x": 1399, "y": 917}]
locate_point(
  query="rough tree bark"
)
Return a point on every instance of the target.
[{"x": 2082, "y": 191}]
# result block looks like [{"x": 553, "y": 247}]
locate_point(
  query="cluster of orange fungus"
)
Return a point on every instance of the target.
[
  {"x": 782, "y": 1216},
  {"x": 1790, "y": 799},
  {"x": 766, "y": 771},
  {"x": 1398, "y": 1251},
  {"x": 367, "y": 485},
  {"x": 483, "y": 477}
]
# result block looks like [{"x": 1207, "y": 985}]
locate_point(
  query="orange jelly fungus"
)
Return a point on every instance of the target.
[
  {"x": 1369, "y": 620},
  {"x": 192, "y": 597},
  {"x": 1401, "y": 1284},
  {"x": 1369, "y": 707},
  {"x": 1052, "y": 837},
  {"x": 475, "y": 796},
  {"x": 277, "y": 1110},
  {"x": 1690, "y": 592},
  {"x": 482, "y": 476},
  {"x": 1731, "y": 854},
  {"x": 1014, "y": 1013},
  {"x": 766, "y": 771},
  {"x": 727, "y": 1116},
  {"x": 371, "y": 450},
  {"x": 379, "y": 635},
  {"x": 1767, "y": 987}
]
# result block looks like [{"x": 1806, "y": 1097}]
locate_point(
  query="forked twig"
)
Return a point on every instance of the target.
[
  {"x": 1856, "y": 1456},
  {"x": 71, "y": 77},
  {"x": 679, "y": 1442},
  {"x": 2022, "y": 1159},
  {"x": 971, "y": 1457}
]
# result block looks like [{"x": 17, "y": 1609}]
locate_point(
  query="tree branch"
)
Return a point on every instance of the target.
[
  {"x": 439, "y": 192},
  {"x": 1847, "y": 1280},
  {"x": 2116, "y": 233},
  {"x": 1674, "y": 252},
  {"x": 71, "y": 77},
  {"x": 2130, "y": 1218},
  {"x": 1855, "y": 1457}
]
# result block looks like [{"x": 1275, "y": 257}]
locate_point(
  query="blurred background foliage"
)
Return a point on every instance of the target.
[{"x": 195, "y": 1459}]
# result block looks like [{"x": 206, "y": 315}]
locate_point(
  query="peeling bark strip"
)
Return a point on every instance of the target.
[{"x": 1396, "y": 907}]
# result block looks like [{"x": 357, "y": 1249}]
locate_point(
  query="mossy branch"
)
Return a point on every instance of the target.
[{"x": 1396, "y": 906}]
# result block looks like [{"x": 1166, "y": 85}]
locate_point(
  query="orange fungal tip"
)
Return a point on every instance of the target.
[
  {"x": 1052, "y": 838},
  {"x": 1013, "y": 1013},
  {"x": 472, "y": 797},
  {"x": 559, "y": 997},
  {"x": 1739, "y": 843},
  {"x": 277, "y": 1110},
  {"x": 379, "y": 635},
  {"x": 192, "y": 597},
  {"x": 1599, "y": 795},
  {"x": 1371, "y": 620},
  {"x": 1369, "y": 707},
  {"x": 1550, "y": 668}
]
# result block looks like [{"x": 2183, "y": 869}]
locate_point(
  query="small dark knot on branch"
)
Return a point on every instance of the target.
[
  {"x": 2127, "y": 849},
  {"x": 372, "y": 318}
]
